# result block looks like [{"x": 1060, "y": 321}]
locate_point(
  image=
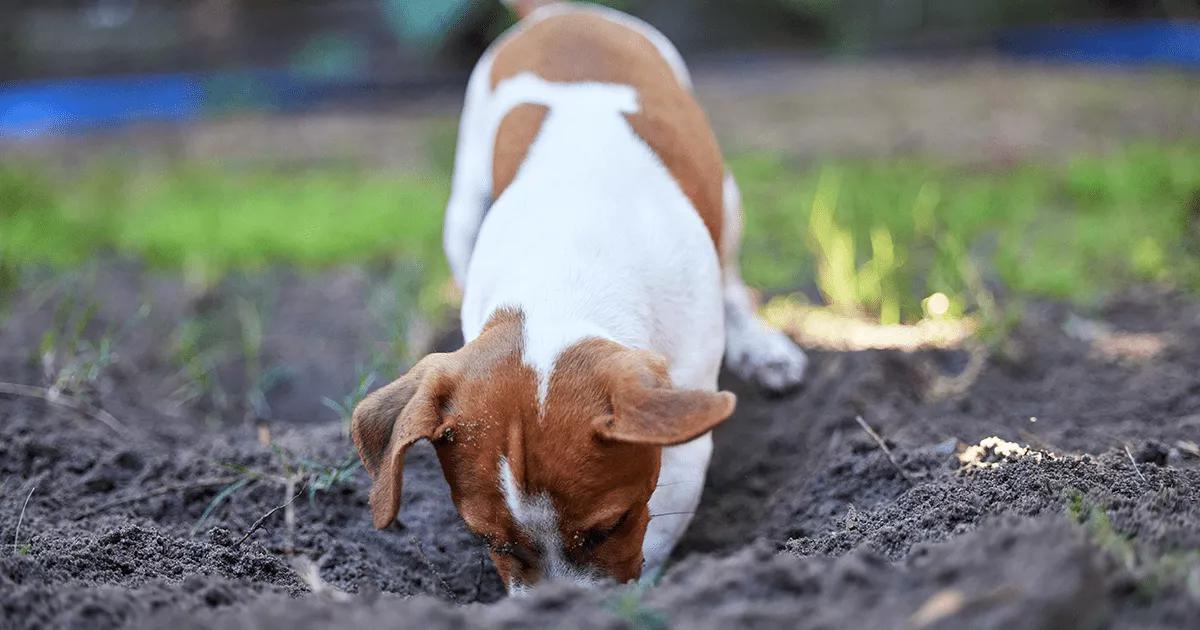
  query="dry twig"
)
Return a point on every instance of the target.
[
  {"x": 949, "y": 602},
  {"x": 432, "y": 569},
  {"x": 21, "y": 519},
  {"x": 191, "y": 485},
  {"x": 1133, "y": 461},
  {"x": 309, "y": 572},
  {"x": 262, "y": 519},
  {"x": 67, "y": 402},
  {"x": 289, "y": 515},
  {"x": 883, "y": 447},
  {"x": 653, "y": 516}
]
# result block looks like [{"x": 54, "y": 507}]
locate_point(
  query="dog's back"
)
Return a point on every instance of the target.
[{"x": 573, "y": 45}]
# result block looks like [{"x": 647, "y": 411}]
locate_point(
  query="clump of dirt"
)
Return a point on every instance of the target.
[
  {"x": 1084, "y": 512},
  {"x": 993, "y": 451}
]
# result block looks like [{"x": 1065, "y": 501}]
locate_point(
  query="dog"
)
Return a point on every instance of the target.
[{"x": 594, "y": 231}]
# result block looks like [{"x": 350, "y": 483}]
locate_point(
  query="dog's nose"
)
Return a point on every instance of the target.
[{"x": 517, "y": 588}]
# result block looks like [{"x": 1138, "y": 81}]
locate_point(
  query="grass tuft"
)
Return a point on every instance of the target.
[
  {"x": 344, "y": 407},
  {"x": 1152, "y": 574},
  {"x": 292, "y": 471},
  {"x": 630, "y": 607}
]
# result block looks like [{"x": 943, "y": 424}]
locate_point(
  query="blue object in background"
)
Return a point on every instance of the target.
[
  {"x": 38, "y": 108},
  {"x": 35, "y": 108},
  {"x": 1143, "y": 43},
  {"x": 423, "y": 21}
]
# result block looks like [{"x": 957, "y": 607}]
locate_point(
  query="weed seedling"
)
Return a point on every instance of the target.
[
  {"x": 629, "y": 606},
  {"x": 344, "y": 408},
  {"x": 324, "y": 477},
  {"x": 26, "y": 548},
  {"x": 224, "y": 494},
  {"x": 1151, "y": 574},
  {"x": 291, "y": 472}
]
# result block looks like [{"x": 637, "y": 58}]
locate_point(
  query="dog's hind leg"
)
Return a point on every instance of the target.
[
  {"x": 753, "y": 350},
  {"x": 471, "y": 186}
]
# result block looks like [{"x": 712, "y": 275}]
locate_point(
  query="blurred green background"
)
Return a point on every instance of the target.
[{"x": 887, "y": 151}]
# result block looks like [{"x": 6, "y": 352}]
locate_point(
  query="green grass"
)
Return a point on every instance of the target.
[
  {"x": 628, "y": 605},
  {"x": 207, "y": 221},
  {"x": 874, "y": 236},
  {"x": 1152, "y": 573},
  {"x": 879, "y": 236}
]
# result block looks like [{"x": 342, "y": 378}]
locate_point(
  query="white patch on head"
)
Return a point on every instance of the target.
[
  {"x": 538, "y": 520},
  {"x": 541, "y": 351}
]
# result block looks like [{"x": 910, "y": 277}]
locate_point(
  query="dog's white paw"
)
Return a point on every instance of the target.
[{"x": 766, "y": 357}]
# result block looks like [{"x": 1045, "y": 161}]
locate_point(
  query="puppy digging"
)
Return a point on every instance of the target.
[{"x": 804, "y": 516}]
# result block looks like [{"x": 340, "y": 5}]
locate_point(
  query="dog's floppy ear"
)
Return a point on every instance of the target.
[
  {"x": 394, "y": 418},
  {"x": 647, "y": 409}
]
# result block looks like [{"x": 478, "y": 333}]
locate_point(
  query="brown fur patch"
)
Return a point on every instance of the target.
[
  {"x": 586, "y": 46},
  {"x": 593, "y": 448},
  {"x": 594, "y": 483},
  {"x": 438, "y": 399},
  {"x": 603, "y": 484},
  {"x": 517, "y": 131}
]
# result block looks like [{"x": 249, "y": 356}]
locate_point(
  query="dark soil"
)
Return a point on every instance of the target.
[{"x": 806, "y": 522}]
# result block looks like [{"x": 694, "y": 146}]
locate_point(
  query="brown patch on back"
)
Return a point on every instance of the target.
[
  {"x": 585, "y": 46},
  {"x": 517, "y": 131}
]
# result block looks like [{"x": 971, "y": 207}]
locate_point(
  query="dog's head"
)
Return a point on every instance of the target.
[{"x": 553, "y": 471}]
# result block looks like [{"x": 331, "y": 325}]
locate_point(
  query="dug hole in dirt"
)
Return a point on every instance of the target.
[{"x": 144, "y": 493}]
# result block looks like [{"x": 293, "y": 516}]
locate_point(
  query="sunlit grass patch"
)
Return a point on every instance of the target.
[
  {"x": 876, "y": 238},
  {"x": 819, "y": 327},
  {"x": 206, "y": 221}
]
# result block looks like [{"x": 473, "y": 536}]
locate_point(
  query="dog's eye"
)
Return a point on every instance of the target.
[
  {"x": 593, "y": 537},
  {"x": 619, "y": 522},
  {"x": 517, "y": 552}
]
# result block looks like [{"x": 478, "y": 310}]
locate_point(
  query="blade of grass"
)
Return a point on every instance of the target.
[
  {"x": 225, "y": 493},
  {"x": 21, "y": 519}
]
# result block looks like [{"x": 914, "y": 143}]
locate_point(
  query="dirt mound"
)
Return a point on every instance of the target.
[{"x": 169, "y": 515}]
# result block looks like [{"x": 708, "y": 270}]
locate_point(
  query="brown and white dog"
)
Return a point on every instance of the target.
[{"x": 594, "y": 230}]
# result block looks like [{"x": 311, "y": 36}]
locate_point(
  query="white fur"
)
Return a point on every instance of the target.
[
  {"x": 538, "y": 519},
  {"x": 595, "y": 238},
  {"x": 674, "y": 501},
  {"x": 471, "y": 185},
  {"x": 753, "y": 350}
]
